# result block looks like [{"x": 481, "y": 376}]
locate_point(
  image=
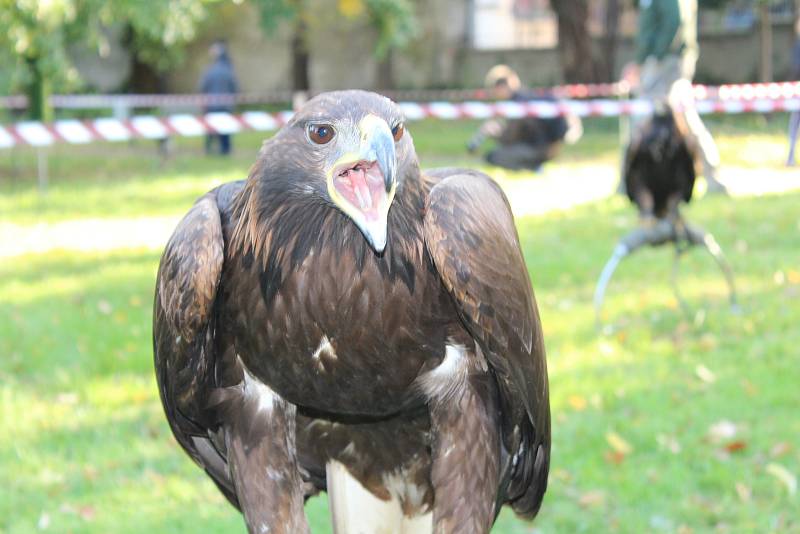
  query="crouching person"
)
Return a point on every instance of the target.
[{"x": 528, "y": 142}]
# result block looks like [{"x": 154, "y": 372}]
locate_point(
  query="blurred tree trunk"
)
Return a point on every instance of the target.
[
  {"x": 574, "y": 41},
  {"x": 38, "y": 91},
  {"x": 300, "y": 56},
  {"x": 765, "y": 34},
  {"x": 385, "y": 71},
  {"x": 610, "y": 41}
]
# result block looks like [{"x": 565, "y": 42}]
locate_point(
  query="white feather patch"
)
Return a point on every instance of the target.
[
  {"x": 324, "y": 354},
  {"x": 259, "y": 392},
  {"x": 449, "y": 378},
  {"x": 355, "y": 510}
]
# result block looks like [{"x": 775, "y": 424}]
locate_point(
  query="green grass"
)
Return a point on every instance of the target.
[{"x": 85, "y": 447}]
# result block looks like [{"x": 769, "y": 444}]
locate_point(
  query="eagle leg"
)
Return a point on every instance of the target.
[
  {"x": 466, "y": 456},
  {"x": 698, "y": 236},
  {"x": 260, "y": 440}
]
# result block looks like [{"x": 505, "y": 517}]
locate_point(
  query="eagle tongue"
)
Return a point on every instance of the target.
[{"x": 358, "y": 177}]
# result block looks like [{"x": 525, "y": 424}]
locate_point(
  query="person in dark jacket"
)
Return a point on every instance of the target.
[
  {"x": 219, "y": 79},
  {"x": 666, "y": 56},
  {"x": 794, "y": 118},
  {"x": 528, "y": 142}
]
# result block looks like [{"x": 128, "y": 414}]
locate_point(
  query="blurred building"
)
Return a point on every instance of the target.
[{"x": 459, "y": 40}]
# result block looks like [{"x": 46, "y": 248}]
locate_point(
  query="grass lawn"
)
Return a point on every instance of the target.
[{"x": 665, "y": 423}]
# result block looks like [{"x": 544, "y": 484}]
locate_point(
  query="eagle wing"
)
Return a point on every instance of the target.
[
  {"x": 471, "y": 237},
  {"x": 183, "y": 326}
]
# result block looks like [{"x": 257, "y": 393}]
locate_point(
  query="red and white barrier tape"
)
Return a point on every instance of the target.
[
  {"x": 747, "y": 91},
  {"x": 151, "y": 127}
]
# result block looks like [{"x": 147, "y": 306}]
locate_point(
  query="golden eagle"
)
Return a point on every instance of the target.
[
  {"x": 343, "y": 322},
  {"x": 660, "y": 165},
  {"x": 659, "y": 174}
]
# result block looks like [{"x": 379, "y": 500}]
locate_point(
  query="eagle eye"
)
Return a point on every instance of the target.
[
  {"x": 321, "y": 134},
  {"x": 398, "y": 130}
]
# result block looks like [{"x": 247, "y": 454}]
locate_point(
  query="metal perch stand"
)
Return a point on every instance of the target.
[{"x": 674, "y": 230}]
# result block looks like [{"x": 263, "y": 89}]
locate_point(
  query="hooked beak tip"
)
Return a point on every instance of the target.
[{"x": 376, "y": 234}]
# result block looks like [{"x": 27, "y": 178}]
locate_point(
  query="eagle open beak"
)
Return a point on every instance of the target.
[{"x": 362, "y": 182}]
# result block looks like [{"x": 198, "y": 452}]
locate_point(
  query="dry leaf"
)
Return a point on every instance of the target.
[
  {"x": 784, "y": 475},
  {"x": 735, "y": 446},
  {"x": 699, "y": 318},
  {"x": 577, "y": 402},
  {"x": 705, "y": 374},
  {"x": 708, "y": 341},
  {"x": 721, "y": 430},
  {"x": 779, "y": 278},
  {"x": 592, "y": 498},
  {"x": 669, "y": 443},
  {"x": 741, "y": 246},
  {"x": 104, "y": 307},
  {"x": 744, "y": 492},
  {"x": 87, "y": 512},
  {"x": 793, "y": 276},
  {"x": 618, "y": 443},
  {"x": 614, "y": 457},
  {"x": 779, "y": 449},
  {"x": 89, "y": 472},
  {"x": 561, "y": 474}
]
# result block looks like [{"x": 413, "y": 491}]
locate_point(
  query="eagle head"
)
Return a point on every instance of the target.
[{"x": 348, "y": 149}]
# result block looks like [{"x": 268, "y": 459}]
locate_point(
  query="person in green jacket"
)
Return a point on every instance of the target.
[{"x": 666, "y": 56}]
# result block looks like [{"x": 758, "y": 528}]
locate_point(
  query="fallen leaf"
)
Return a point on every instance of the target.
[
  {"x": 618, "y": 443},
  {"x": 735, "y": 446},
  {"x": 722, "y": 430},
  {"x": 614, "y": 457},
  {"x": 87, "y": 512},
  {"x": 793, "y": 276},
  {"x": 592, "y": 498},
  {"x": 744, "y": 492},
  {"x": 784, "y": 475},
  {"x": 135, "y": 301},
  {"x": 89, "y": 472},
  {"x": 779, "y": 449},
  {"x": 779, "y": 278},
  {"x": 705, "y": 374},
  {"x": 104, "y": 307},
  {"x": 669, "y": 443},
  {"x": 699, "y": 318},
  {"x": 577, "y": 402},
  {"x": 708, "y": 341},
  {"x": 562, "y": 474}
]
